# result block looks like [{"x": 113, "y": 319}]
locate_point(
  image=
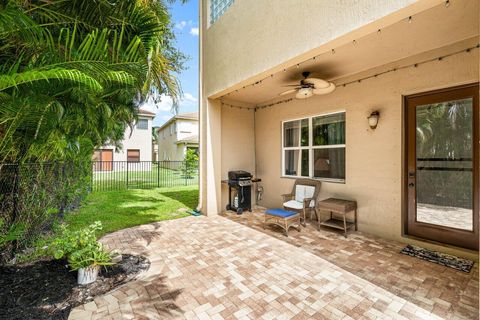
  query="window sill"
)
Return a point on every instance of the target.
[{"x": 340, "y": 181}]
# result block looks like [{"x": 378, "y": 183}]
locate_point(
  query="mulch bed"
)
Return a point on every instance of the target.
[{"x": 48, "y": 290}]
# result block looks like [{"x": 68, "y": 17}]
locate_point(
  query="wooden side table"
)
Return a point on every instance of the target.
[{"x": 339, "y": 207}]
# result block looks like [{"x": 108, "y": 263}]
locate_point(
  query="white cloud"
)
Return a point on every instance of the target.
[
  {"x": 165, "y": 103},
  {"x": 181, "y": 24},
  {"x": 194, "y": 31},
  {"x": 189, "y": 97}
]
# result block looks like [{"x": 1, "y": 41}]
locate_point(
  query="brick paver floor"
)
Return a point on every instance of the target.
[{"x": 216, "y": 268}]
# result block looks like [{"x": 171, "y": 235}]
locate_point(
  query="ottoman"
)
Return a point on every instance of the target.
[{"x": 282, "y": 218}]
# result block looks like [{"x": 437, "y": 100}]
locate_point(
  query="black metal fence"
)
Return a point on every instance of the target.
[
  {"x": 34, "y": 195},
  {"x": 117, "y": 175}
]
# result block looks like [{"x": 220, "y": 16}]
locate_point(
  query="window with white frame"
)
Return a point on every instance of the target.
[
  {"x": 217, "y": 8},
  {"x": 315, "y": 147}
]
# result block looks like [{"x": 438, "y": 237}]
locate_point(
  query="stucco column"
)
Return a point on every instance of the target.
[{"x": 210, "y": 157}]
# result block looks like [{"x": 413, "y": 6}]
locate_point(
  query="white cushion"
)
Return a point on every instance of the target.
[
  {"x": 309, "y": 191},
  {"x": 302, "y": 192},
  {"x": 294, "y": 204},
  {"x": 299, "y": 193}
]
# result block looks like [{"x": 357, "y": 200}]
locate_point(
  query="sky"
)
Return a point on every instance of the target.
[{"x": 185, "y": 21}]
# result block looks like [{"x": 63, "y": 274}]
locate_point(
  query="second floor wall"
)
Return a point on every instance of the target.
[
  {"x": 139, "y": 138},
  {"x": 179, "y": 129},
  {"x": 252, "y": 36}
]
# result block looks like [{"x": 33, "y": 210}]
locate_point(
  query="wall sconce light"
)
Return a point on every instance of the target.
[{"x": 373, "y": 119}]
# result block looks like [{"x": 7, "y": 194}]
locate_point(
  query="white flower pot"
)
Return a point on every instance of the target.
[{"x": 87, "y": 275}]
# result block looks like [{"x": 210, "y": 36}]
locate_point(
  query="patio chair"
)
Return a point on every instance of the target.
[{"x": 303, "y": 198}]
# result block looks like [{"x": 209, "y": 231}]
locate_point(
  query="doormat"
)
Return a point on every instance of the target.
[{"x": 439, "y": 258}]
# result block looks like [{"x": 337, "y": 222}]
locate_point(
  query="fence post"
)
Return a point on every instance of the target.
[
  {"x": 186, "y": 172},
  {"x": 92, "y": 166},
  {"x": 127, "y": 175},
  {"x": 158, "y": 175}
]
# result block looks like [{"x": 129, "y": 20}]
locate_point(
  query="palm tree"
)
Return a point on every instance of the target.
[{"x": 73, "y": 72}]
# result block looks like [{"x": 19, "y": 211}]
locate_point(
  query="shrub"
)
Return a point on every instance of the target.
[
  {"x": 191, "y": 163},
  {"x": 70, "y": 241},
  {"x": 80, "y": 247},
  {"x": 94, "y": 255},
  {"x": 32, "y": 198}
]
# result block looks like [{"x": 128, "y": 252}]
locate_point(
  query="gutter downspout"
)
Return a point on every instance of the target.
[{"x": 200, "y": 102}]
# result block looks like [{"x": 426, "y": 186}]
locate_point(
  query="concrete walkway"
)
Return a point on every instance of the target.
[{"x": 215, "y": 268}]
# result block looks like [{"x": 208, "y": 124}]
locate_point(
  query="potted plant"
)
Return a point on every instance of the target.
[
  {"x": 82, "y": 251},
  {"x": 87, "y": 261}
]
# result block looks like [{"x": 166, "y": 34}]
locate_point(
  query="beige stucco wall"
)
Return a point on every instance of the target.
[
  {"x": 168, "y": 147},
  {"x": 254, "y": 36},
  {"x": 274, "y": 31},
  {"x": 135, "y": 139},
  {"x": 373, "y": 157},
  {"x": 238, "y": 144}
]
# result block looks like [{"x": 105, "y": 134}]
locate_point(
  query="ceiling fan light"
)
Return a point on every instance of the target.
[
  {"x": 304, "y": 93},
  {"x": 327, "y": 90}
]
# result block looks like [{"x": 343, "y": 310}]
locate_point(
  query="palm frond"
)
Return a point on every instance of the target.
[{"x": 74, "y": 76}]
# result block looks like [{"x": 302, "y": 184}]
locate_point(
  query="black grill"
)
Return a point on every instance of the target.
[{"x": 241, "y": 183}]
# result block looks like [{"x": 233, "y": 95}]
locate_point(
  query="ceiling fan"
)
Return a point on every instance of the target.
[{"x": 310, "y": 86}]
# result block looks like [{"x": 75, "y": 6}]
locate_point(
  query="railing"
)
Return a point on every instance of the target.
[{"x": 117, "y": 175}]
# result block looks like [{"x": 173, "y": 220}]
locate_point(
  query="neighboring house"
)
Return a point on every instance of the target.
[
  {"x": 137, "y": 145},
  {"x": 177, "y": 135},
  {"x": 415, "y": 176}
]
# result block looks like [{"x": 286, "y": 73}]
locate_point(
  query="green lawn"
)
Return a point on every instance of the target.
[
  {"x": 121, "y": 209},
  {"x": 142, "y": 175}
]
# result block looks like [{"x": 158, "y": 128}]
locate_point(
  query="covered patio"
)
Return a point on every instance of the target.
[
  {"x": 228, "y": 268},
  {"x": 250, "y": 126}
]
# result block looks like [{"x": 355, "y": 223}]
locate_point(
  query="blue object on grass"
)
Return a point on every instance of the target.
[{"x": 279, "y": 212}]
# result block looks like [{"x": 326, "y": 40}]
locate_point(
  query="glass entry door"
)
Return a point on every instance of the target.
[{"x": 442, "y": 178}]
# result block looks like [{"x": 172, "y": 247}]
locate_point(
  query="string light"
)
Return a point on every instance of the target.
[
  {"x": 447, "y": 3},
  {"x": 354, "y": 42},
  {"x": 272, "y": 104},
  {"x": 224, "y": 104},
  {"x": 414, "y": 65}
]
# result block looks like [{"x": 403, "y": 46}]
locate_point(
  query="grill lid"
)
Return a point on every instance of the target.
[{"x": 239, "y": 175}]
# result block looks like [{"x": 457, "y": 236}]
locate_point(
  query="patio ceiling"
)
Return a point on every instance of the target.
[{"x": 439, "y": 27}]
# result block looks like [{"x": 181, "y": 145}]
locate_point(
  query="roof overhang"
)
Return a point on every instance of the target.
[{"x": 433, "y": 27}]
